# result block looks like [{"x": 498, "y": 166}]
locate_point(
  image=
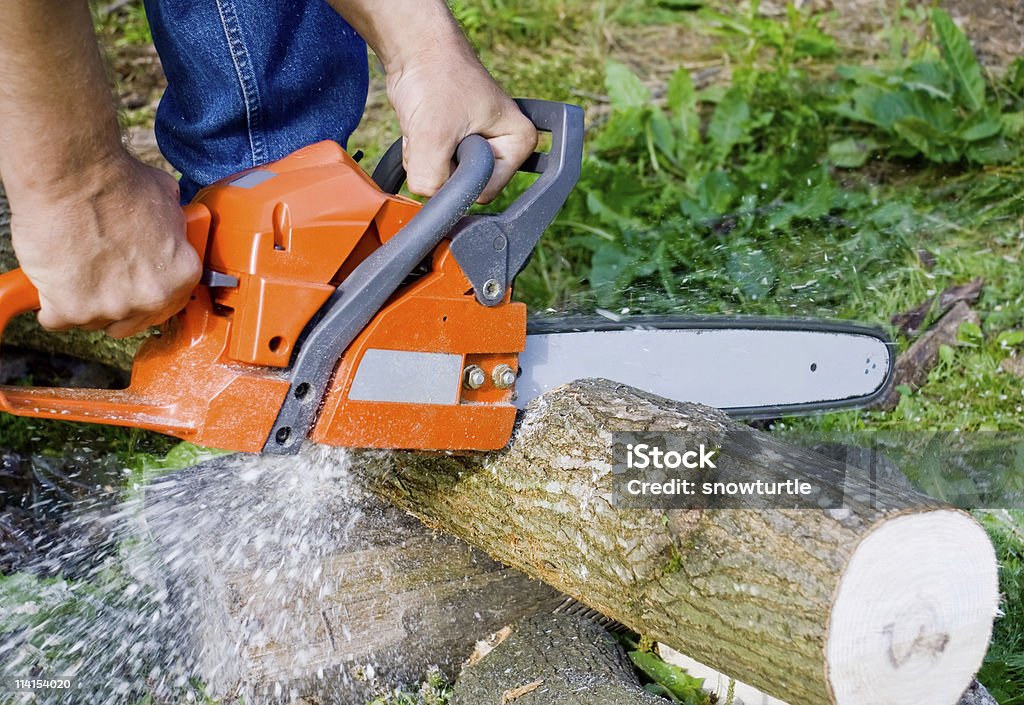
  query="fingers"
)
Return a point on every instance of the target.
[
  {"x": 117, "y": 326},
  {"x": 510, "y": 151},
  {"x": 427, "y": 157},
  {"x": 427, "y": 154},
  {"x": 125, "y": 315},
  {"x": 129, "y": 327}
]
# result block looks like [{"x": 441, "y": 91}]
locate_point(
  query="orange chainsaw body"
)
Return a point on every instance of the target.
[{"x": 276, "y": 241}]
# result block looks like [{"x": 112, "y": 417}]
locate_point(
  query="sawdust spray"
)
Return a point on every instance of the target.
[{"x": 134, "y": 619}]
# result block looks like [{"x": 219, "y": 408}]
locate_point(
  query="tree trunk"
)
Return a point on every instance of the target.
[
  {"x": 289, "y": 584},
  {"x": 554, "y": 659},
  {"x": 877, "y": 602}
]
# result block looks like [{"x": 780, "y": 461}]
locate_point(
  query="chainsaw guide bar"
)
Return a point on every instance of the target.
[{"x": 750, "y": 367}]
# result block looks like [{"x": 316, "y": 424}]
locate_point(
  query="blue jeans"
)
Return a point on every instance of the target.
[{"x": 249, "y": 81}]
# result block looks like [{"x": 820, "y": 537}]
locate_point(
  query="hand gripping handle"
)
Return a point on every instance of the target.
[
  {"x": 493, "y": 249},
  {"x": 120, "y": 407}
]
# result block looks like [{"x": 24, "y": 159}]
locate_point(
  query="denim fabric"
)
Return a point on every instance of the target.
[{"x": 249, "y": 81}]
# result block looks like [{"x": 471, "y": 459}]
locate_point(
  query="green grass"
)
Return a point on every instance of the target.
[
  {"x": 122, "y": 28},
  {"x": 1003, "y": 670},
  {"x": 808, "y": 184}
]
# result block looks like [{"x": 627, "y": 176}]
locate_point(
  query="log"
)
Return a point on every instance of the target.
[
  {"x": 553, "y": 659},
  {"x": 887, "y": 600},
  {"x": 289, "y": 584}
]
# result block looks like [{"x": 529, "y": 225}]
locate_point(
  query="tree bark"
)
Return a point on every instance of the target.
[
  {"x": 554, "y": 660},
  {"x": 888, "y": 599},
  {"x": 289, "y": 584}
]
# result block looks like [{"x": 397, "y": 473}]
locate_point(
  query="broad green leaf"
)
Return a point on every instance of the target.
[
  {"x": 960, "y": 58},
  {"x": 980, "y": 127},
  {"x": 1015, "y": 76},
  {"x": 611, "y": 270},
  {"x": 613, "y": 217},
  {"x": 932, "y": 77},
  {"x": 1013, "y": 123},
  {"x": 696, "y": 211},
  {"x": 752, "y": 272},
  {"x": 970, "y": 334},
  {"x": 889, "y": 108},
  {"x": 680, "y": 683},
  {"x": 997, "y": 150},
  {"x": 815, "y": 196},
  {"x": 717, "y": 192},
  {"x": 1010, "y": 338},
  {"x": 623, "y": 131},
  {"x": 682, "y": 102},
  {"x": 927, "y": 140},
  {"x": 714, "y": 93},
  {"x": 661, "y": 691},
  {"x": 729, "y": 124},
  {"x": 863, "y": 74},
  {"x": 662, "y": 135},
  {"x": 625, "y": 89},
  {"x": 812, "y": 42},
  {"x": 851, "y": 153},
  {"x": 947, "y": 354},
  {"x": 860, "y": 106}
]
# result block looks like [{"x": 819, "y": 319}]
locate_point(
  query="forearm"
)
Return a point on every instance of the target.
[
  {"x": 401, "y": 32},
  {"x": 440, "y": 91},
  {"x": 59, "y": 120}
]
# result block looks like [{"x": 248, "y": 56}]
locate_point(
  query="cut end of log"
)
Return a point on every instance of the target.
[{"x": 913, "y": 613}]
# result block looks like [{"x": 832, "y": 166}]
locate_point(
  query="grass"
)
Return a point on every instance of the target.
[
  {"x": 763, "y": 160},
  {"x": 1003, "y": 671}
]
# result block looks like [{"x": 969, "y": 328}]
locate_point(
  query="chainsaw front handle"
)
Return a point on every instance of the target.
[
  {"x": 19, "y": 295},
  {"x": 493, "y": 249}
]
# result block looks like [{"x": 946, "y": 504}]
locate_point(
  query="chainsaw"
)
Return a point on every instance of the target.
[{"x": 334, "y": 309}]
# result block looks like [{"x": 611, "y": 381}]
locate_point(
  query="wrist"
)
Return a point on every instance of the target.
[
  {"x": 439, "y": 39},
  {"x": 74, "y": 170}
]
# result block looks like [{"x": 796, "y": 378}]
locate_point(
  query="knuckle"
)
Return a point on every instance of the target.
[
  {"x": 189, "y": 270},
  {"x": 147, "y": 302},
  {"x": 52, "y": 321},
  {"x": 525, "y": 133},
  {"x": 424, "y": 184}
]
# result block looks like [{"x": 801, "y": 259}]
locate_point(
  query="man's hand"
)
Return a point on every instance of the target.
[
  {"x": 440, "y": 91},
  {"x": 107, "y": 250},
  {"x": 439, "y": 101},
  {"x": 100, "y": 235}
]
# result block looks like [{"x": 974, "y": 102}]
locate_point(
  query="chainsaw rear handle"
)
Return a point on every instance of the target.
[
  {"x": 493, "y": 249},
  {"x": 19, "y": 295}
]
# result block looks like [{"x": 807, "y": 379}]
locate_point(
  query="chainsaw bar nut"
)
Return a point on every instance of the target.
[
  {"x": 473, "y": 377},
  {"x": 503, "y": 376}
]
